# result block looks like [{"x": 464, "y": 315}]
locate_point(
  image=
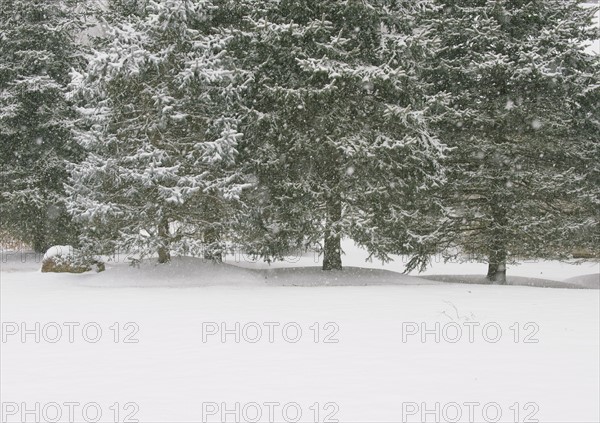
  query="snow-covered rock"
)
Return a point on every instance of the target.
[
  {"x": 58, "y": 250},
  {"x": 63, "y": 259}
]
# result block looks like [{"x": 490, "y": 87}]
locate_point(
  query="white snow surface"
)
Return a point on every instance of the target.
[{"x": 369, "y": 373}]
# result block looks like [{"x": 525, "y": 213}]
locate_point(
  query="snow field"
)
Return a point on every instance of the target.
[{"x": 518, "y": 350}]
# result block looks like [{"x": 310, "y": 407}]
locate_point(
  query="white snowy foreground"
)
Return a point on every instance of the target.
[{"x": 330, "y": 352}]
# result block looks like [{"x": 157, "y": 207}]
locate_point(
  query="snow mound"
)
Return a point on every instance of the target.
[
  {"x": 180, "y": 272},
  {"x": 350, "y": 276},
  {"x": 184, "y": 272},
  {"x": 578, "y": 282},
  {"x": 586, "y": 281}
]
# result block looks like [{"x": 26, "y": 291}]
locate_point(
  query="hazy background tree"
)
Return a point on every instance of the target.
[
  {"x": 160, "y": 137},
  {"x": 523, "y": 122},
  {"x": 336, "y": 131},
  {"x": 38, "y": 49}
]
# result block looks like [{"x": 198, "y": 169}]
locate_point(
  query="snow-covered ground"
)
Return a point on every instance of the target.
[
  {"x": 577, "y": 272},
  {"x": 347, "y": 353}
]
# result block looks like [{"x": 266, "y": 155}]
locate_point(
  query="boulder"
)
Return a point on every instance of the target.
[{"x": 63, "y": 259}]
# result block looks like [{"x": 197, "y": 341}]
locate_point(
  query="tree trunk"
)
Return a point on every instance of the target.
[
  {"x": 39, "y": 243},
  {"x": 164, "y": 254},
  {"x": 212, "y": 251},
  {"x": 497, "y": 254},
  {"x": 332, "y": 253},
  {"x": 497, "y": 267}
]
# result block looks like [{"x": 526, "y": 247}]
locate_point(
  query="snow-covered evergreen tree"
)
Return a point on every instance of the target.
[
  {"x": 159, "y": 134},
  {"x": 524, "y": 120},
  {"x": 37, "y": 51},
  {"x": 337, "y": 128}
]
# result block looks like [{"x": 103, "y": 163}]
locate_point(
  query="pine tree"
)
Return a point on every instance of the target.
[
  {"x": 337, "y": 129},
  {"x": 38, "y": 48},
  {"x": 160, "y": 135},
  {"x": 523, "y": 122}
]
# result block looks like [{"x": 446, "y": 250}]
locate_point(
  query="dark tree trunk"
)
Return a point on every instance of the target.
[
  {"x": 164, "y": 254},
  {"x": 332, "y": 252},
  {"x": 497, "y": 267},
  {"x": 39, "y": 243},
  {"x": 212, "y": 212},
  {"x": 497, "y": 253},
  {"x": 212, "y": 250}
]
